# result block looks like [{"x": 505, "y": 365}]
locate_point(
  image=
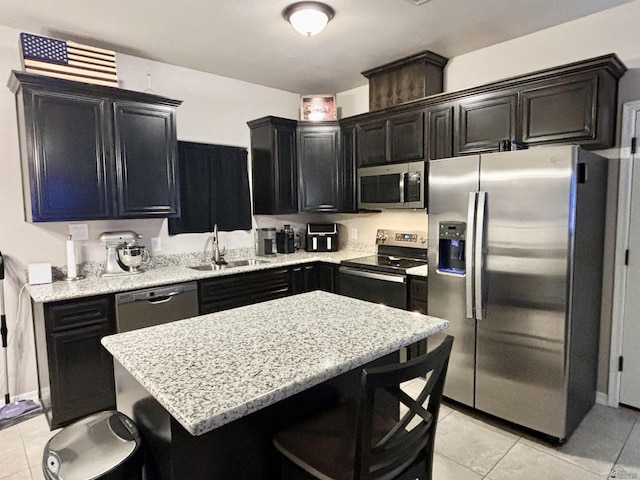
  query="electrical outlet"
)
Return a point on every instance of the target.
[
  {"x": 156, "y": 244},
  {"x": 353, "y": 234},
  {"x": 79, "y": 231}
]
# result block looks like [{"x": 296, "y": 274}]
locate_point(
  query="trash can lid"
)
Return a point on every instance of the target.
[{"x": 91, "y": 446}]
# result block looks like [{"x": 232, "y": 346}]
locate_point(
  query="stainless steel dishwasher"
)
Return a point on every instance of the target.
[{"x": 155, "y": 306}]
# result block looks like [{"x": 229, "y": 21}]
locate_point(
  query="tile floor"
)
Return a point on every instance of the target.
[{"x": 467, "y": 448}]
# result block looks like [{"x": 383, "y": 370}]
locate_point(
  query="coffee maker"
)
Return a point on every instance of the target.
[
  {"x": 265, "y": 242},
  {"x": 124, "y": 255}
]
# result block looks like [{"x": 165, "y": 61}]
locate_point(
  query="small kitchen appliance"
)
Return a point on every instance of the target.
[
  {"x": 322, "y": 237},
  {"x": 285, "y": 240},
  {"x": 398, "y": 185},
  {"x": 265, "y": 242},
  {"x": 124, "y": 255}
]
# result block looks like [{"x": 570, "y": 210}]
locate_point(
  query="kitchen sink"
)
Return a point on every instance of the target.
[{"x": 231, "y": 264}]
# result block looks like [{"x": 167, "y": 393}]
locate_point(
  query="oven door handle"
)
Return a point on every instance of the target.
[{"x": 385, "y": 277}]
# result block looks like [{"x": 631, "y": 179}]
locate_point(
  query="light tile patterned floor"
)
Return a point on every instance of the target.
[{"x": 467, "y": 448}]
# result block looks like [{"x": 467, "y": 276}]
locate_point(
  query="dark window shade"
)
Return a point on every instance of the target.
[{"x": 214, "y": 188}]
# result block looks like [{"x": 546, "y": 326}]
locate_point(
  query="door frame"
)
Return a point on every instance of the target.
[{"x": 625, "y": 181}]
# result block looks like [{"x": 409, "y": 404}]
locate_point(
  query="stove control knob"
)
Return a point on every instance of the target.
[
  {"x": 423, "y": 240},
  {"x": 381, "y": 236}
]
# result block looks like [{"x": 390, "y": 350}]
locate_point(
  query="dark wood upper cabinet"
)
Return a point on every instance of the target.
[
  {"x": 145, "y": 137},
  {"x": 397, "y": 138},
  {"x": 57, "y": 188},
  {"x": 482, "y": 122},
  {"x": 347, "y": 171},
  {"x": 440, "y": 133},
  {"x": 406, "y": 137},
  {"x": 300, "y": 167},
  {"x": 274, "y": 166},
  {"x": 92, "y": 152},
  {"x": 372, "y": 142},
  {"x": 319, "y": 167},
  {"x": 573, "y": 103},
  {"x": 569, "y": 111}
]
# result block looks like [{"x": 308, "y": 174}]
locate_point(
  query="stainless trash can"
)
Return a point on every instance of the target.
[{"x": 105, "y": 445}]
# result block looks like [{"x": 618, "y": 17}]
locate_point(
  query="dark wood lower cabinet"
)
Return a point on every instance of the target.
[
  {"x": 75, "y": 372},
  {"x": 230, "y": 291},
  {"x": 313, "y": 276},
  {"x": 417, "y": 303}
]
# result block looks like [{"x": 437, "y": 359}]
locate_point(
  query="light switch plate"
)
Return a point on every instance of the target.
[
  {"x": 156, "y": 244},
  {"x": 79, "y": 231},
  {"x": 353, "y": 234}
]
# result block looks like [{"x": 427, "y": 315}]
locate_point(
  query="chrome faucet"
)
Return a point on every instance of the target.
[{"x": 217, "y": 256}]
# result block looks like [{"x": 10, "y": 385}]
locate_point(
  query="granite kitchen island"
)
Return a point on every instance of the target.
[{"x": 209, "y": 392}]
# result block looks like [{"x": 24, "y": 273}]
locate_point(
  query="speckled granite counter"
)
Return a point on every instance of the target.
[
  {"x": 210, "y": 370},
  {"x": 165, "y": 275}
]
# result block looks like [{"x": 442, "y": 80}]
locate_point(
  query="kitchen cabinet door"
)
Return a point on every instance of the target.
[
  {"x": 483, "y": 121},
  {"x": 347, "y": 171},
  {"x": 561, "y": 111},
  {"x": 75, "y": 371},
  {"x": 319, "y": 169},
  {"x": 146, "y": 152},
  {"x": 82, "y": 381},
  {"x": 327, "y": 277},
  {"x": 406, "y": 137},
  {"x": 68, "y": 174},
  {"x": 304, "y": 278},
  {"x": 274, "y": 167},
  {"x": 440, "y": 124},
  {"x": 372, "y": 142}
]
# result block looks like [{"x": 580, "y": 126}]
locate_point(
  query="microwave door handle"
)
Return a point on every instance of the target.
[{"x": 401, "y": 187}]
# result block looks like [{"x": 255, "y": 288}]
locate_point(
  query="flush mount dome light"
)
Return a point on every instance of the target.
[{"x": 308, "y": 18}]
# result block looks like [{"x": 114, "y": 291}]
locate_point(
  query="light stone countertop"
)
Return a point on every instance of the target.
[
  {"x": 209, "y": 370},
  {"x": 166, "y": 275}
]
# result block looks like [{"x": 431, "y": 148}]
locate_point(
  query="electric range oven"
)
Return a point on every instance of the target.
[{"x": 382, "y": 278}]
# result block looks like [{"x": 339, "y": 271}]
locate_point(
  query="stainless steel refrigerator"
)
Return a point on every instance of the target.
[{"x": 515, "y": 264}]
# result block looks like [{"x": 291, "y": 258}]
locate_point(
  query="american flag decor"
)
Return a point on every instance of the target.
[{"x": 68, "y": 60}]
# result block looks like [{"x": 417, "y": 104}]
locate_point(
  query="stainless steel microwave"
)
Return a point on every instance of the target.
[{"x": 398, "y": 185}]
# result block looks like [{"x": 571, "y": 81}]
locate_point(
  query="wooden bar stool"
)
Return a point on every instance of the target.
[{"x": 354, "y": 441}]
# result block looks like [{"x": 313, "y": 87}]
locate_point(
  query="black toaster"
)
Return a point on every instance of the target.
[{"x": 321, "y": 237}]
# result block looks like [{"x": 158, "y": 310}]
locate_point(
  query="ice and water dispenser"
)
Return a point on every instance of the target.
[{"x": 451, "y": 247}]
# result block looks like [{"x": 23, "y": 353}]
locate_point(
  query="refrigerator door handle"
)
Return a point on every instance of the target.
[
  {"x": 468, "y": 264},
  {"x": 478, "y": 254}
]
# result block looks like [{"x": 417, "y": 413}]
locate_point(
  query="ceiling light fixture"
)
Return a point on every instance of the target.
[{"x": 308, "y": 18}]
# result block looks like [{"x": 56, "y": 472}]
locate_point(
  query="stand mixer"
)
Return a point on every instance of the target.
[{"x": 124, "y": 255}]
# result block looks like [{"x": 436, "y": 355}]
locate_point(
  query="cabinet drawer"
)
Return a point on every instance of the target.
[
  {"x": 242, "y": 289},
  {"x": 79, "y": 313}
]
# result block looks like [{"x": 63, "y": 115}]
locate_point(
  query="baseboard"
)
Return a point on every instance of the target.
[
  {"x": 26, "y": 396},
  {"x": 602, "y": 398}
]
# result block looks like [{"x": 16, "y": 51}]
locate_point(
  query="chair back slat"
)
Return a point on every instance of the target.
[{"x": 400, "y": 448}]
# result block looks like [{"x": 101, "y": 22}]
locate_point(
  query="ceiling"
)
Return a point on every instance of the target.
[{"x": 250, "y": 40}]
